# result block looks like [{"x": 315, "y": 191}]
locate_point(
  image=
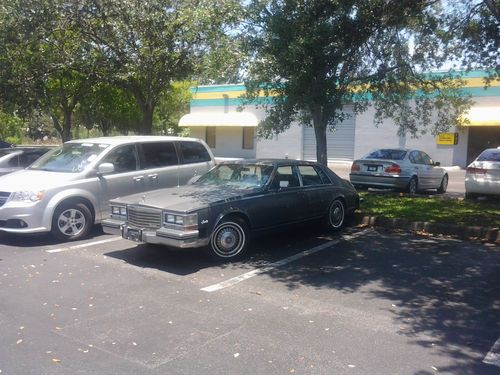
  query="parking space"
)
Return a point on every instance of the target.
[{"x": 357, "y": 302}]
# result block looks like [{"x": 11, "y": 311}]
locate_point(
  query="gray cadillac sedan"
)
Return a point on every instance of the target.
[{"x": 223, "y": 207}]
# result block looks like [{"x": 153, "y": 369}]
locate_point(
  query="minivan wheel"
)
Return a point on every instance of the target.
[
  {"x": 71, "y": 221},
  {"x": 444, "y": 185},
  {"x": 336, "y": 215},
  {"x": 229, "y": 239},
  {"x": 413, "y": 185}
]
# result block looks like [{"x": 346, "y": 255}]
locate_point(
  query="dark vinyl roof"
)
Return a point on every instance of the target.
[{"x": 271, "y": 162}]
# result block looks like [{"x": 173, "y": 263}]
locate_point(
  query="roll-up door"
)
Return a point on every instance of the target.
[{"x": 340, "y": 143}]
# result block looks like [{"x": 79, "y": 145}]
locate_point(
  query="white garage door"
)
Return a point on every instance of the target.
[{"x": 340, "y": 143}]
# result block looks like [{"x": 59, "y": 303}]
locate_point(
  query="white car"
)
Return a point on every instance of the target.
[{"x": 482, "y": 176}]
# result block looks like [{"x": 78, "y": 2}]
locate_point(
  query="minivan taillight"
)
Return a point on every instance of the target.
[
  {"x": 394, "y": 168},
  {"x": 474, "y": 170},
  {"x": 355, "y": 167}
]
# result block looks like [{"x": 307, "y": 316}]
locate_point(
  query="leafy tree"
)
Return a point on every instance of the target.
[
  {"x": 145, "y": 46},
  {"x": 313, "y": 58},
  {"x": 172, "y": 105},
  {"x": 109, "y": 108},
  {"x": 44, "y": 64},
  {"x": 473, "y": 32},
  {"x": 11, "y": 128}
]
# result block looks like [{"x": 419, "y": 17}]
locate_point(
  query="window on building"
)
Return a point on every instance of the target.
[
  {"x": 248, "y": 137},
  {"x": 210, "y": 136}
]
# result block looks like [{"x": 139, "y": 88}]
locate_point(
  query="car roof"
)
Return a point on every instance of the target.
[
  {"x": 277, "y": 162},
  {"x": 131, "y": 138}
]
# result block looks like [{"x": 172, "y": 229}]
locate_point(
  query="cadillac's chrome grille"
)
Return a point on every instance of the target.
[
  {"x": 3, "y": 197},
  {"x": 144, "y": 217}
]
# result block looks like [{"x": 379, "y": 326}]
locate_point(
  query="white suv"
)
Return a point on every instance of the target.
[{"x": 67, "y": 190}]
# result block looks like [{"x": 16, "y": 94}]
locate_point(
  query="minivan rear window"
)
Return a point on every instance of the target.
[
  {"x": 489, "y": 155},
  {"x": 158, "y": 154},
  {"x": 387, "y": 154},
  {"x": 193, "y": 152}
]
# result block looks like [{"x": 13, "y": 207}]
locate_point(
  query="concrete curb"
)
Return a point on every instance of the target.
[{"x": 460, "y": 231}]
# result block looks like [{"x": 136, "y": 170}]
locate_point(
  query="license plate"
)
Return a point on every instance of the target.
[
  {"x": 134, "y": 234},
  {"x": 372, "y": 168}
]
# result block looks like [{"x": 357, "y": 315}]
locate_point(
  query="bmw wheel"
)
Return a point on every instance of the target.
[
  {"x": 444, "y": 185},
  {"x": 229, "y": 239},
  {"x": 413, "y": 185},
  {"x": 71, "y": 221},
  {"x": 336, "y": 215}
]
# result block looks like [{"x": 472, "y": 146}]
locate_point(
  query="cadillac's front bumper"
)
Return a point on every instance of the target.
[{"x": 162, "y": 236}]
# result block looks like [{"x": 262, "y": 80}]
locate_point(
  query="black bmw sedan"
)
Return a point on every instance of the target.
[{"x": 221, "y": 210}]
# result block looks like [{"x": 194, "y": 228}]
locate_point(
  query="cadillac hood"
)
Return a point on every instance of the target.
[
  {"x": 185, "y": 198},
  {"x": 29, "y": 179}
]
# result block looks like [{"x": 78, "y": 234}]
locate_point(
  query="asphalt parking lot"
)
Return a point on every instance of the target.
[{"x": 358, "y": 302}]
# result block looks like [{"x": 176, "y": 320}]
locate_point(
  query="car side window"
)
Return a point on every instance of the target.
[
  {"x": 123, "y": 158},
  {"x": 426, "y": 159},
  {"x": 158, "y": 154},
  {"x": 27, "y": 158},
  {"x": 324, "y": 177},
  {"x": 309, "y": 175},
  {"x": 285, "y": 177},
  {"x": 13, "y": 161},
  {"x": 415, "y": 157},
  {"x": 193, "y": 152}
]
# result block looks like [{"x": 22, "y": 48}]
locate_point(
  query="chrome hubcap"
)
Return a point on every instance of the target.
[
  {"x": 71, "y": 222},
  {"x": 228, "y": 240},
  {"x": 336, "y": 214}
]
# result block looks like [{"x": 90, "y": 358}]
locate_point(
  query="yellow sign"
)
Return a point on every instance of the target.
[{"x": 447, "y": 139}]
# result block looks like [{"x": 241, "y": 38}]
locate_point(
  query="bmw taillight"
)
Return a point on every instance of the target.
[
  {"x": 393, "y": 168},
  {"x": 355, "y": 167},
  {"x": 474, "y": 170}
]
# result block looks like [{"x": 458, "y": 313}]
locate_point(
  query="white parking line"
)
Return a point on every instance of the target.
[
  {"x": 61, "y": 249},
  {"x": 255, "y": 272},
  {"x": 493, "y": 356}
]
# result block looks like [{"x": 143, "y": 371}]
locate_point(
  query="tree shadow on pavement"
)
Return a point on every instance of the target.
[{"x": 444, "y": 293}]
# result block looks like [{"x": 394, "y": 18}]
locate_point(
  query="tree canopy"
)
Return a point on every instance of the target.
[{"x": 314, "y": 58}]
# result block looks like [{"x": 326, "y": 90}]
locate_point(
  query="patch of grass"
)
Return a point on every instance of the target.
[{"x": 432, "y": 208}]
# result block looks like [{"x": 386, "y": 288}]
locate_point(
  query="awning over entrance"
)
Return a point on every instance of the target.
[
  {"x": 219, "y": 119},
  {"x": 484, "y": 116}
]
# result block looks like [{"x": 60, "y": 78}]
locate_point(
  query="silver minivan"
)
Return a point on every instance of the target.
[{"x": 67, "y": 190}]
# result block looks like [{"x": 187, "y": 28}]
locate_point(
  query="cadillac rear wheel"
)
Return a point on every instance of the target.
[
  {"x": 71, "y": 221},
  {"x": 336, "y": 215},
  {"x": 229, "y": 239}
]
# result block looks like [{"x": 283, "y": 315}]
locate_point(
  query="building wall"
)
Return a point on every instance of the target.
[
  {"x": 296, "y": 142},
  {"x": 229, "y": 140}
]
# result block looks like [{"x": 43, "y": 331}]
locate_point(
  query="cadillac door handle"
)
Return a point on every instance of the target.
[
  {"x": 138, "y": 178},
  {"x": 153, "y": 177}
]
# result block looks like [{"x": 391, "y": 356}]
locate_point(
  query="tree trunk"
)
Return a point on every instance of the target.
[
  {"x": 147, "y": 119},
  {"x": 66, "y": 131},
  {"x": 320, "y": 133}
]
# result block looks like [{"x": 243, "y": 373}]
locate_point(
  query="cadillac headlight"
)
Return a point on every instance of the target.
[
  {"x": 26, "y": 196},
  {"x": 182, "y": 222},
  {"x": 119, "y": 212}
]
